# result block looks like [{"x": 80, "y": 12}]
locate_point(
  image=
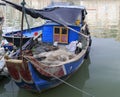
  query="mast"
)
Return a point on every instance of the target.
[{"x": 22, "y": 22}]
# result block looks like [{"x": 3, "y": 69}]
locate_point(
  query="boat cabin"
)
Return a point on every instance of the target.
[{"x": 52, "y": 32}]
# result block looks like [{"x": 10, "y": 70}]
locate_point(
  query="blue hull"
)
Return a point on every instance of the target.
[{"x": 41, "y": 82}]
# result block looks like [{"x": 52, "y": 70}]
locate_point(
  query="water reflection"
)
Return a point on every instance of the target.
[
  {"x": 8, "y": 88},
  {"x": 3, "y": 82},
  {"x": 106, "y": 33}
]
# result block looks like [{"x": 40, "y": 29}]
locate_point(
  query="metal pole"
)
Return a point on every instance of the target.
[{"x": 22, "y": 22}]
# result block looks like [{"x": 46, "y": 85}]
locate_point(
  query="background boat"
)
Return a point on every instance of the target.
[{"x": 15, "y": 37}]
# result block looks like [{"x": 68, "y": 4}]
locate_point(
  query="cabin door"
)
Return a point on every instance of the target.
[{"x": 61, "y": 34}]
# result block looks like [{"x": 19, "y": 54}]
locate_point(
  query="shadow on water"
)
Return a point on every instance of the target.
[
  {"x": 78, "y": 80},
  {"x": 3, "y": 82}
]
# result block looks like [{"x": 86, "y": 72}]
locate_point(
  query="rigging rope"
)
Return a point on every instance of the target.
[
  {"x": 23, "y": 4},
  {"x": 27, "y": 21}
]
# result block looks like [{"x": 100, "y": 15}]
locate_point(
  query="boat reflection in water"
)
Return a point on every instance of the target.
[{"x": 3, "y": 82}]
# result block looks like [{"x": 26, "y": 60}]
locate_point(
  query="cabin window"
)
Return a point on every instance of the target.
[
  {"x": 64, "y": 31},
  {"x": 61, "y": 34},
  {"x": 57, "y": 30}
]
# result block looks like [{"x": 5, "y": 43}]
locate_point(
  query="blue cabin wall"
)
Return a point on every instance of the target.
[
  {"x": 73, "y": 36},
  {"x": 47, "y": 35}
]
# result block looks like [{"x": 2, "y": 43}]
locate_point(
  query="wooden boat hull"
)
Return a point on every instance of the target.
[{"x": 32, "y": 77}]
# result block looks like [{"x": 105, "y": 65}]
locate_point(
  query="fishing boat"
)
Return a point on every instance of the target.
[
  {"x": 15, "y": 36},
  {"x": 58, "y": 49}
]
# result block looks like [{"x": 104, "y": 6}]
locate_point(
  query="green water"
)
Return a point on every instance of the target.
[{"x": 98, "y": 76}]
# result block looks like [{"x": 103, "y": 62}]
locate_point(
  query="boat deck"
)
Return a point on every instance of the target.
[{"x": 51, "y": 55}]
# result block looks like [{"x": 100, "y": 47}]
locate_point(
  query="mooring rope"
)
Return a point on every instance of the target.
[{"x": 72, "y": 86}]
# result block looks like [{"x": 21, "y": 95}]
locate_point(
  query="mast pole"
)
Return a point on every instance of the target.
[{"x": 22, "y": 23}]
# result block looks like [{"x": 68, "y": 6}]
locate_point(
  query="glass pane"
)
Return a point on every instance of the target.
[
  {"x": 64, "y": 30},
  {"x": 57, "y": 30}
]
